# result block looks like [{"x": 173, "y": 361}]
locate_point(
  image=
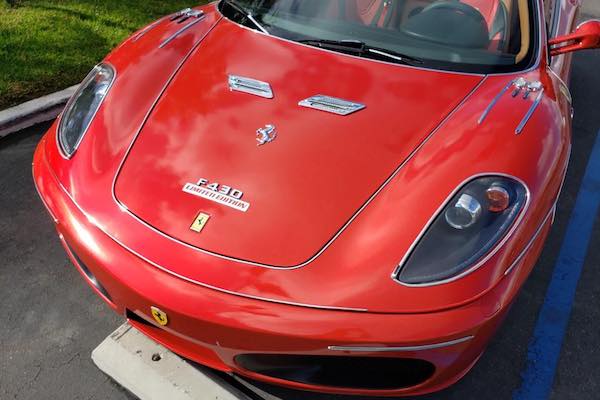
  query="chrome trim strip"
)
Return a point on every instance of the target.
[
  {"x": 541, "y": 27},
  {"x": 251, "y": 86},
  {"x": 326, "y": 246},
  {"x": 331, "y": 105},
  {"x": 495, "y": 101},
  {"x": 375, "y": 349},
  {"x": 531, "y": 241},
  {"x": 529, "y": 114},
  {"x": 479, "y": 263},
  {"x": 182, "y": 30},
  {"x": 70, "y": 103}
]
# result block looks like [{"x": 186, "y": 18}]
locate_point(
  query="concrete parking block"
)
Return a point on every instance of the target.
[{"x": 151, "y": 372}]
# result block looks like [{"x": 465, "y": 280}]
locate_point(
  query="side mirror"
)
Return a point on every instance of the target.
[{"x": 586, "y": 36}]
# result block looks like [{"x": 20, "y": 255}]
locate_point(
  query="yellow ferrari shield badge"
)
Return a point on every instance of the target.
[
  {"x": 200, "y": 222},
  {"x": 159, "y": 316}
]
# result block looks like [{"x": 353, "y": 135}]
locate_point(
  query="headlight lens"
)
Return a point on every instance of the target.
[
  {"x": 82, "y": 107},
  {"x": 470, "y": 225}
]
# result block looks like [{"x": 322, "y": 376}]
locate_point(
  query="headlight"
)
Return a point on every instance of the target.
[
  {"x": 470, "y": 225},
  {"x": 82, "y": 107}
]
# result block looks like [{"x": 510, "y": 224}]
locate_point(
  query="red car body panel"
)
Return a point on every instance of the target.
[
  {"x": 303, "y": 189},
  {"x": 212, "y": 327},
  {"x": 336, "y": 203}
]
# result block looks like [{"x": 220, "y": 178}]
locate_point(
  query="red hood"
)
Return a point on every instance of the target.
[{"x": 308, "y": 183}]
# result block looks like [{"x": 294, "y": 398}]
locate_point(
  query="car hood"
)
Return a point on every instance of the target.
[{"x": 305, "y": 186}]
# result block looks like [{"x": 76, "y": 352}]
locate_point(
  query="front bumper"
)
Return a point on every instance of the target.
[{"x": 219, "y": 329}]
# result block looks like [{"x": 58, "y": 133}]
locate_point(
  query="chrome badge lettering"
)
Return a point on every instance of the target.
[{"x": 214, "y": 191}]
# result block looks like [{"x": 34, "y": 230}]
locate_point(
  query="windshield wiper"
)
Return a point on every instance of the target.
[
  {"x": 248, "y": 14},
  {"x": 362, "y": 49}
]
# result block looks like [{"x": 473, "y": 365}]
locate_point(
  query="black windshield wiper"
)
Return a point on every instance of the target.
[
  {"x": 362, "y": 49},
  {"x": 248, "y": 14}
]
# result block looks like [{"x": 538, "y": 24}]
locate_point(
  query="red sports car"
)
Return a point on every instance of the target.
[{"x": 339, "y": 196}]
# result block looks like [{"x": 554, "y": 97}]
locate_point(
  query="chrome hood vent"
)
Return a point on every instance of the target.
[
  {"x": 331, "y": 104},
  {"x": 250, "y": 86}
]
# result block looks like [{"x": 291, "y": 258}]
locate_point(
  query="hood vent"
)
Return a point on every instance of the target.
[
  {"x": 186, "y": 14},
  {"x": 251, "y": 86},
  {"x": 180, "y": 18},
  {"x": 331, "y": 105}
]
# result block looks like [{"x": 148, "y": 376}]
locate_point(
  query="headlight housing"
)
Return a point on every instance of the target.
[
  {"x": 469, "y": 227},
  {"x": 83, "y": 106}
]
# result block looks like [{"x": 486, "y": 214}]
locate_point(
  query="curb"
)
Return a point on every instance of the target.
[{"x": 33, "y": 112}]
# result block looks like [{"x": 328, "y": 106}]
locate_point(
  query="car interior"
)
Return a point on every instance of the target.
[{"x": 494, "y": 26}]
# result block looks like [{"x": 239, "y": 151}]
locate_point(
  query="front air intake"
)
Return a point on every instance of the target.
[{"x": 369, "y": 373}]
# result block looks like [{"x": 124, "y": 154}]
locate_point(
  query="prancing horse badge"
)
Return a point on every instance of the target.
[
  {"x": 159, "y": 316},
  {"x": 200, "y": 222},
  {"x": 266, "y": 135}
]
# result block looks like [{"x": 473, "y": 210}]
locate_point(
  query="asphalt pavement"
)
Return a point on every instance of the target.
[{"x": 50, "y": 320}]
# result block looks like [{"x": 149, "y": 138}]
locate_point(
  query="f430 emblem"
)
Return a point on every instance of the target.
[
  {"x": 266, "y": 135},
  {"x": 214, "y": 191}
]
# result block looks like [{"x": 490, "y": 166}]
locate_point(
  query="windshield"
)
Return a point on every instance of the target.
[{"x": 480, "y": 36}]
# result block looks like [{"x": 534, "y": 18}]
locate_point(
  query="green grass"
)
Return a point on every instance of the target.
[{"x": 47, "y": 46}]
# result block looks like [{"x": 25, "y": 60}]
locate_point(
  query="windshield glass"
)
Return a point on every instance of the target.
[{"x": 481, "y": 36}]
